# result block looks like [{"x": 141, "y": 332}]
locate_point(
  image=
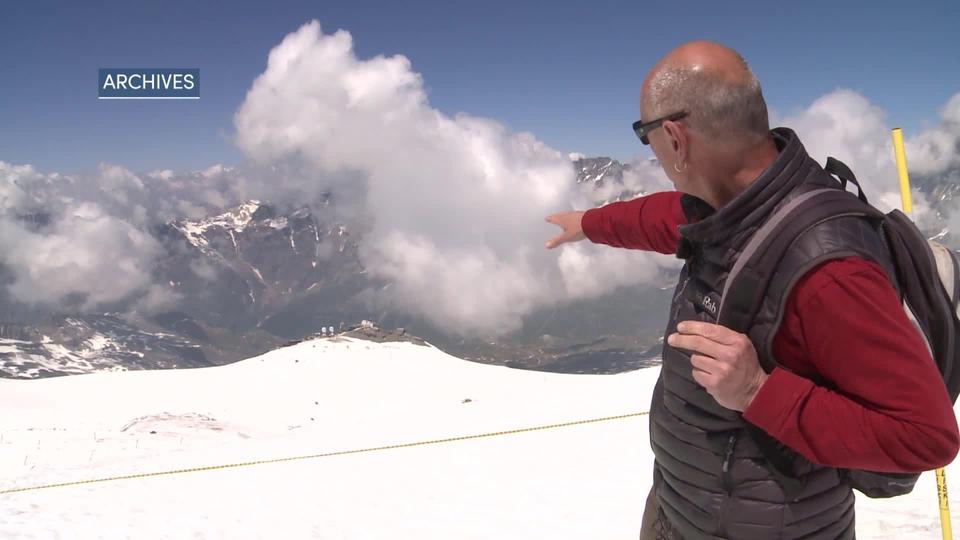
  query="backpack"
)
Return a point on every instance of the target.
[{"x": 927, "y": 280}]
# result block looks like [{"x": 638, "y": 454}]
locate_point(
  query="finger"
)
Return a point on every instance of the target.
[
  {"x": 703, "y": 378},
  {"x": 705, "y": 364},
  {"x": 698, "y": 343},
  {"x": 556, "y": 241},
  {"x": 715, "y": 332},
  {"x": 553, "y": 218}
]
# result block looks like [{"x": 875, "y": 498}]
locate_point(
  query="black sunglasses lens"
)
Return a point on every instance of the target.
[
  {"x": 641, "y": 131},
  {"x": 641, "y": 128}
]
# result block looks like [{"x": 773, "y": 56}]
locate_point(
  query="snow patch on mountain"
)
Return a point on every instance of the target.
[
  {"x": 24, "y": 359},
  {"x": 598, "y": 170},
  {"x": 97, "y": 343},
  {"x": 235, "y": 220}
]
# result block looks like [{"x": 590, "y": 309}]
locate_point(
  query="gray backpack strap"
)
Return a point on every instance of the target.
[{"x": 747, "y": 283}]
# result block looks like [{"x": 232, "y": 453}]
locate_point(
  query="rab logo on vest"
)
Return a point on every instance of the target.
[
  {"x": 148, "y": 83},
  {"x": 709, "y": 304}
]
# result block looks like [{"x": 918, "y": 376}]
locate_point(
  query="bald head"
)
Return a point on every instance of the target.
[{"x": 711, "y": 82}]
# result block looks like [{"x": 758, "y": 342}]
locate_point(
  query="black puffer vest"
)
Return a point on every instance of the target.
[{"x": 713, "y": 480}]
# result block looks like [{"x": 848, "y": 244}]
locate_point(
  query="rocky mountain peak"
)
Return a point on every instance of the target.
[{"x": 599, "y": 170}]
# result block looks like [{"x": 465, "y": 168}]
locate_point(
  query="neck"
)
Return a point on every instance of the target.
[{"x": 743, "y": 167}]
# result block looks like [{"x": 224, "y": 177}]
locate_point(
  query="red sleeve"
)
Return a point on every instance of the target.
[
  {"x": 883, "y": 405},
  {"x": 649, "y": 223}
]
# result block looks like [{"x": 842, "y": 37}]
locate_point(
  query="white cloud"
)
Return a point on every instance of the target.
[
  {"x": 579, "y": 265},
  {"x": 82, "y": 251},
  {"x": 12, "y": 195},
  {"x": 162, "y": 174},
  {"x": 204, "y": 269},
  {"x": 157, "y": 298},
  {"x": 845, "y": 125},
  {"x": 937, "y": 150},
  {"x": 85, "y": 240},
  {"x": 642, "y": 176},
  {"x": 457, "y": 202},
  {"x": 450, "y": 208}
]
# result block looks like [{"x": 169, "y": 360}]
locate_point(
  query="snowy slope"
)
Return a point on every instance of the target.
[{"x": 581, "y": 482}]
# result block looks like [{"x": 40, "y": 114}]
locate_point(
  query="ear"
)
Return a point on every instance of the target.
[{"x": 678, "y": 139}]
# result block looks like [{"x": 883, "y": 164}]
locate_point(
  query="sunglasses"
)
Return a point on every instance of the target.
[{"x": 641, "y": 128}]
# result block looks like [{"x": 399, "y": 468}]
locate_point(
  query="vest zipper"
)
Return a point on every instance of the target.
[{"x": 726, "y": 478}]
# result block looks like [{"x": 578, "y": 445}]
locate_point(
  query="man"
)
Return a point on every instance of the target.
[{"x": 849, "y": 383}]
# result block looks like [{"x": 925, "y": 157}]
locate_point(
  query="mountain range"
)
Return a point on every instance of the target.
[{"x": 253, "y": 277}]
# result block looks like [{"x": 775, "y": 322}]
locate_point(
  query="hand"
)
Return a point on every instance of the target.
[
  {"x": 724, "y": 362},
  {"x": 570, "y": 223}
]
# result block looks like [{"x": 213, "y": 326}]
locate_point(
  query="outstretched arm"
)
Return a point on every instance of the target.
[{"x": 648, "y": 223}]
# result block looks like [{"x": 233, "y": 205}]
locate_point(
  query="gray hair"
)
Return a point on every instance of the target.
[{"x": 718, "y": 106}]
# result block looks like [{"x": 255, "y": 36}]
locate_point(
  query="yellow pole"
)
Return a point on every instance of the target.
[
  {"x": 901, "y": 157},
  {"x": 945, "y": 526},
  {"x": 902, "y": 170}
]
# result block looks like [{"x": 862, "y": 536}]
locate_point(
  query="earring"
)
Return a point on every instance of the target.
[{"x": 678, "y": 169}]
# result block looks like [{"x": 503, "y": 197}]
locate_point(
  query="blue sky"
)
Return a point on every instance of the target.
[{"x": 567, "y": 71}]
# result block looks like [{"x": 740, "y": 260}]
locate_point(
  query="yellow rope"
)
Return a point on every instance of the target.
[{"x": 315, "y": 456}]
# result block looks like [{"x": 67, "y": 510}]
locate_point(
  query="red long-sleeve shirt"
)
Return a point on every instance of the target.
[{"x": 884, "y": 407}]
